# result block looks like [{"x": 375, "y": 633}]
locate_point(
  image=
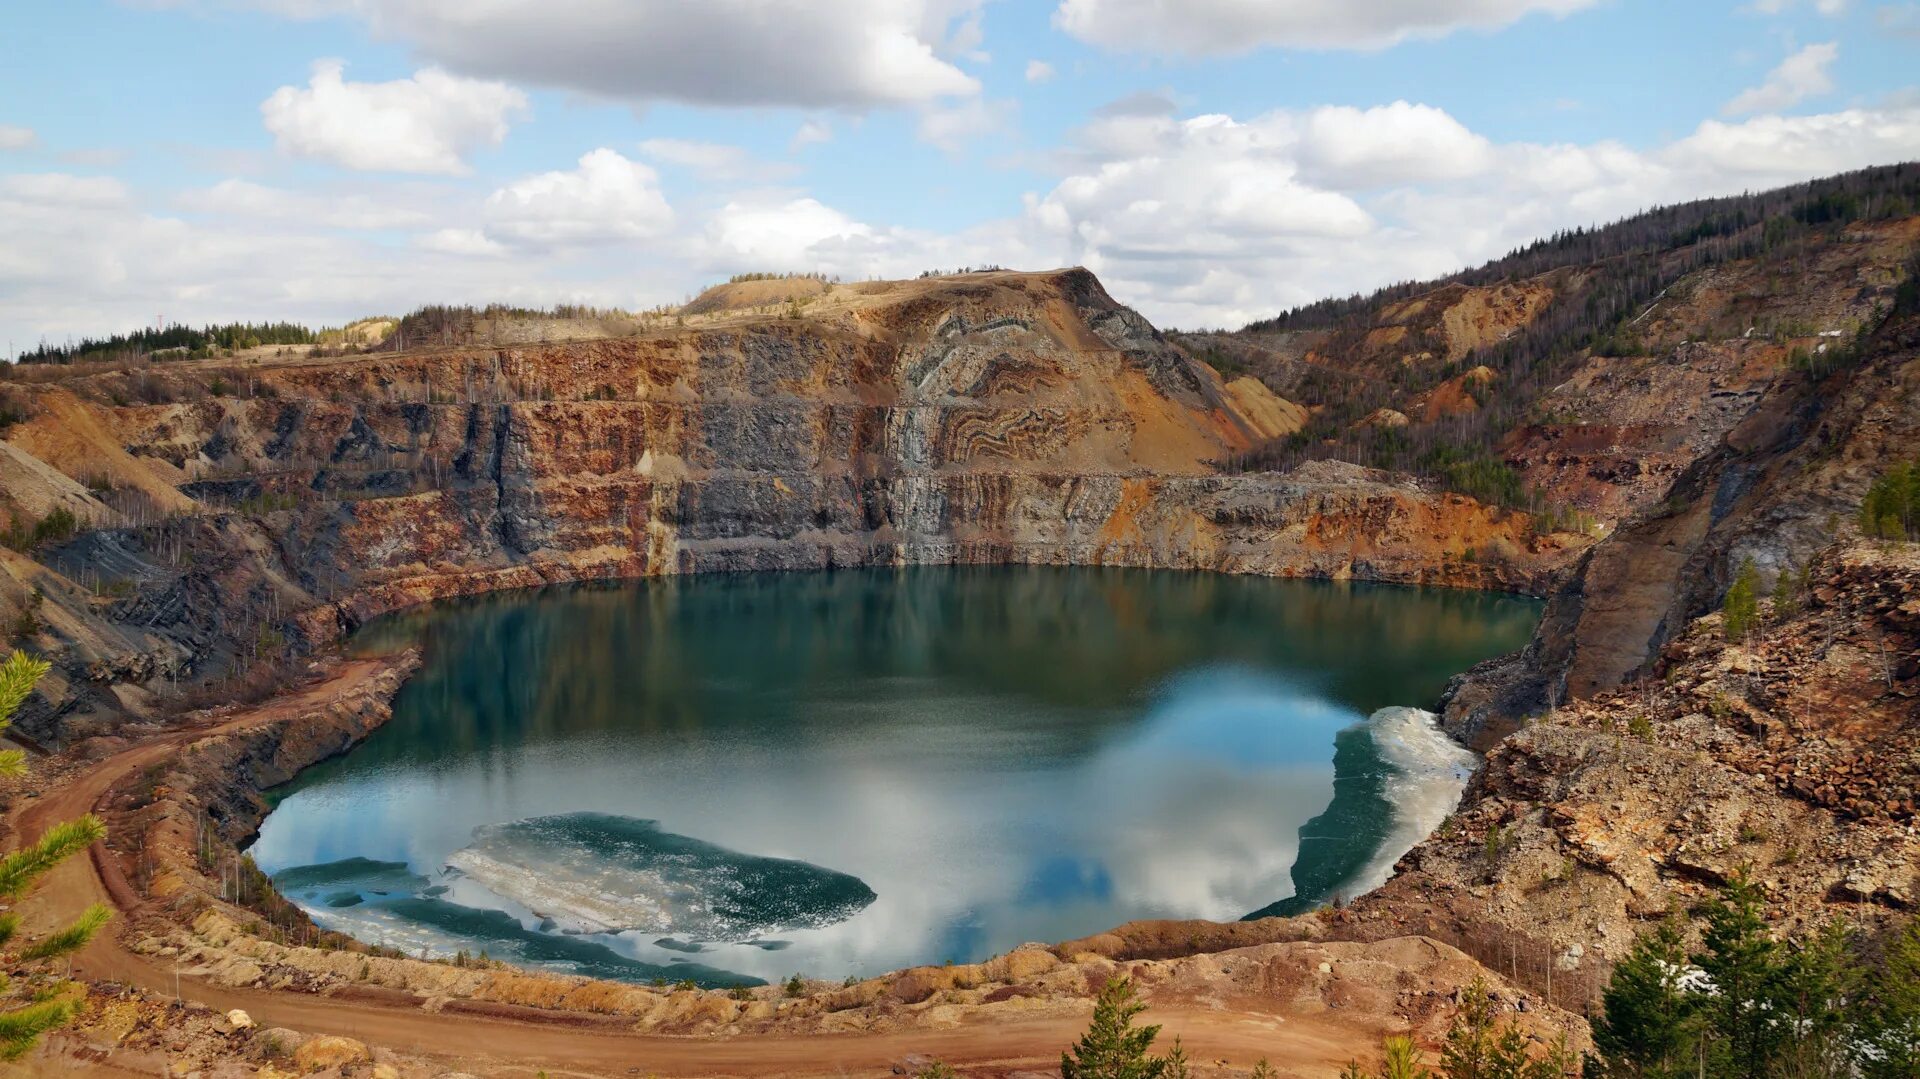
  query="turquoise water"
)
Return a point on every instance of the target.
[{"x": 732, "y": 778}]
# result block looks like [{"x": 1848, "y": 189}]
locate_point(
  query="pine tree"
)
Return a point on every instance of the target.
[
  {"x": 1891, "y": 508},
  {"x": 1893, "y": 1019},
  {"x": 1178, "y": 1066},
  {"x": 1743, "y": 961},
  {"x": 1402, "y": 1060},
  {"x": 1742, "y": 603},
  {"x": 1786, "y": 597},
  {"x": 40, "y": 1004},
  {"x": 1112, "y": 1047},
  {"x": 1819, "y": 987},
  {"x": 1647, "y": 1026},
  {"x": 1477, "y": 1046}
]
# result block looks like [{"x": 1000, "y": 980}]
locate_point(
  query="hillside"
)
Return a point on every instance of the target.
[
  {"x": 1626, "y": 381},
  {"x": 1546, "y": 354}
]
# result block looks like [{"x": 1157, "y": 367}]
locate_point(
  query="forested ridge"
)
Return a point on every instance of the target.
[
  {"x": 1604, "y": 281},
  {"x": 192, "y": 342}
]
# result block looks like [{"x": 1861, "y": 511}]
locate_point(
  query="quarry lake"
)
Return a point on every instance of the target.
[{"x": 731, "y": 778}]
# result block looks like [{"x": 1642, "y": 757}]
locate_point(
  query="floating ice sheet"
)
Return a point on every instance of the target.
[{"x": 601, "y": 873}]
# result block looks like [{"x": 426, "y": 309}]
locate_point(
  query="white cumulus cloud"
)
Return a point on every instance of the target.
[
  {"x": 63, "y": 190},
  {"x": 1828, "y": 8},
  {"x": 1213, "y": 220},
  {"x": 607, "y": 199},
  {"x": 787, "y": 234},
  {"x": 462, "y": 242},
  {"x": 425, "y": 124},
  {"x": 14, "y": 137},
  {"x": 1204, "y": 27},
  {"x": 770, "y": 231},
  {"x": 1345, "y": 147},
  {"x": 1798, "y": 77}
]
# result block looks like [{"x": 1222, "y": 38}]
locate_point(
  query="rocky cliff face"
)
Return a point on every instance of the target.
[
  {"x": 995, "y": 417},
  {"x": 1792, "y": 756},
  {"x": 1740, "y": 448}
]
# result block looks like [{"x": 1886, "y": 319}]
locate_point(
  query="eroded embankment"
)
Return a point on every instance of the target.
[{"x": 190, "y": 813}]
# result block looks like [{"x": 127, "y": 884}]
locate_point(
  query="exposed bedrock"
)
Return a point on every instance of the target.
[{"x": 990, "y": 418}]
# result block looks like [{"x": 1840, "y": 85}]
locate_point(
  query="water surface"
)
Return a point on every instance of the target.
[{"x": 736, "y": 777}]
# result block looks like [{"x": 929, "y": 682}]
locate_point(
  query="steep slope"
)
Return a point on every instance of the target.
[
  {"x": 1775, "y": 476},
  {"x": 1793, "y": 756},
  {"x": 1649, "y": 383},
  {"x": 1584, "y": 373}
]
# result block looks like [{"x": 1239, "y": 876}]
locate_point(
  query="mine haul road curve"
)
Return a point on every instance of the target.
[{"x": 1309, "y": 1044}]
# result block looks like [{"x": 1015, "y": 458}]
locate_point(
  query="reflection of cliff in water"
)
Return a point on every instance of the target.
[{"x": 684, "y": 653}]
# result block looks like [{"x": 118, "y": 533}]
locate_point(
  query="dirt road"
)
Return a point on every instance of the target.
[{"x": 1305, "y": 1044}]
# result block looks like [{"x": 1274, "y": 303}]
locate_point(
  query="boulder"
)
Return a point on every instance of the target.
[{"x": 328, "y": 1051}]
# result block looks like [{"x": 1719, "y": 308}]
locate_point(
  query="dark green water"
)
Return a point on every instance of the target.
[{"x": 746, "y": 776}]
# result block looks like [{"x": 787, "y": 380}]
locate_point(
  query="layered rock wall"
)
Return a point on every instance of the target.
[{"x": 991, "y": 418}]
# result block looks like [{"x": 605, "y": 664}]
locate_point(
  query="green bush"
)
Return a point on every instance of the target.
[
  {"x": 58, "y": 526},
  {"x": 1891, "y": 510},
  {"x": 1479, "y": 476},
  {"x": 1786, "y": 594},
  {"x": 1742, "y": 604},
  {"x": 1112, "y": 1047},
  {"x": 1478, "y": 1046}
]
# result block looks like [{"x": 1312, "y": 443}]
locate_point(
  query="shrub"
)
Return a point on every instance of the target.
[
  {"x": 1891, "y": 509},
  {"x": 1402, "y": 1060},
  {"x": 1640, "y": 727},
  {"x": 1496, "y": 843},
  {"x": 1478, "y": 1046},
  {"x": 58, "y": 526},
  {"x": 27, "y": 622},
  {"x": 1112, "y": 1047},
  {"x": 1646, "y": 1022},
  {"x": 1742, "y": 604}
]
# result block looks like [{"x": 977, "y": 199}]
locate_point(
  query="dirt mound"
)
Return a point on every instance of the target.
[
  {"x": 746, "y": 295},
  {"x": 81, "y": 440},
  {"x": 1270, "y": 416}
]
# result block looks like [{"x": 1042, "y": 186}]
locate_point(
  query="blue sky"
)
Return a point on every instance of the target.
[{"x": 1213, "y": 160}]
